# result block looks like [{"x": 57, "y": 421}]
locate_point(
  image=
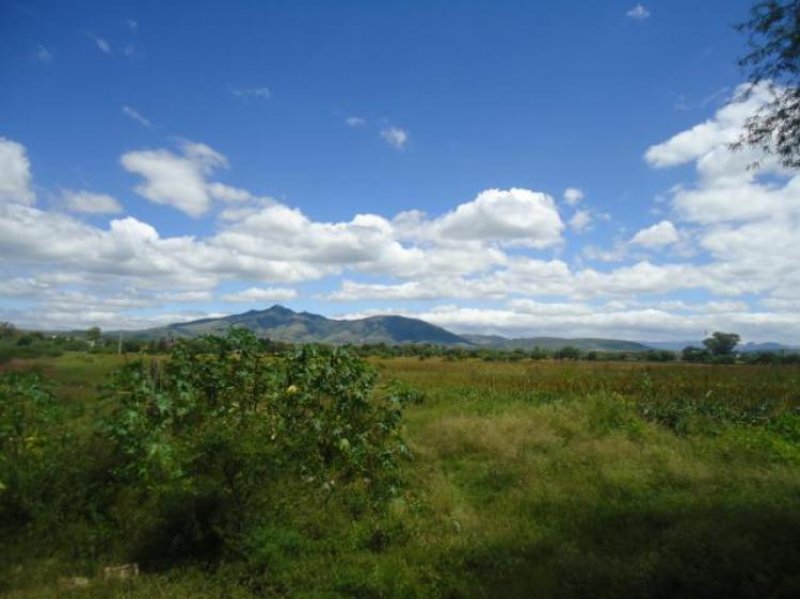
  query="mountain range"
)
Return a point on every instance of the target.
[{"x": 282, "y": 324}]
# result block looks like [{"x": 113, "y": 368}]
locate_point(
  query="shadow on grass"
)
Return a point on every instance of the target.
[{"x": 750, "y": 550}]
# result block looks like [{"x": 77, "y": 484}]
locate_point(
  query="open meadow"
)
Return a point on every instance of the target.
[{"x": 522, "y": 479}]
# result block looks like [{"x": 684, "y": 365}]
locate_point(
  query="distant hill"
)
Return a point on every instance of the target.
[
  {"x": 282, "y": 324},
  {"x": 742, "y": 348},
  {"x": 551, "y": 343}
]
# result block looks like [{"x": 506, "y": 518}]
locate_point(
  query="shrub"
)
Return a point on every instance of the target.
[{"x": 221, "y": 430}]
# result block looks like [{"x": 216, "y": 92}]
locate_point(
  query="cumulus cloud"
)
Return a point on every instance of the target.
[
  {"x": 609, "y": 320},
  {"x": 229, "y": 194},
  {"x": 395, "y": 137},
  {"x": 656, "y": 236},
  {"x": 502, "y": 246},
  {"x": 261, "y": 294},
  {"x": 15, "y": 173},
  {"x": 709, "y": 140},
  {"x": 747, "y": 219},
  {"x": 185, "y": 296},
  {"x": 573, "y": 195},
  {"x": 511, "y": 217},
  {"x": 638, "y": 12},
  {"x": 136, "y": 116},
  {"x": 580, "y": 221},
  {"x": 176, "y": 180},
  {"x": 90, "y": 203}
]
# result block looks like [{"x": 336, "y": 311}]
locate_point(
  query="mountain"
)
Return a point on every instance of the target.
[
  {"x": 551, "y": 343},
  {"x": 765, "y": 347},
  {"x": 282, "y": 324}
]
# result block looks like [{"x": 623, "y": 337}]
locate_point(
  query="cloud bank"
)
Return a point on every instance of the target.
[{"x": 506, "y": 260}]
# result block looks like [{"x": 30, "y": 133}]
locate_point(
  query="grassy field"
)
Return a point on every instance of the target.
[{"x": 528, "y": 479}]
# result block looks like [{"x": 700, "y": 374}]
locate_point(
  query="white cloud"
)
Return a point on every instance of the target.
[
  {"x": 90, "y": 203},
  {"x": 42, "y": 54},
  {"x": 573, "y": 195},
  {"x": 258, "y": 93},
  {"x": 709, "y": 140},
  {"x": 133, "y": 25},
  {"x": 514, "y": 216},
  {"x": 136, "y": 116},
  {"x": 255, "y": 295},
  {"x": 176, "y": 180},
  {"x": 746, "y": 219},
  {"x": 617, "y": 320},
  {"x": 226, "y": 193},
  {"x": 501, "y": 246},
  {"x": 395, "y": 137},
  {"x": 186, "y": 296},
  {"x": 279, "y": 235},
  {"x": 580, "y": 221},
  {"x": 656, "y": 236},
  {"x": 101, "y": 44},
  {"x": 355, "y": 121},
  {"x": 638, "y": 12},
  {"x": 617, "y": 253},
  {"x": 15, "y": 173}
]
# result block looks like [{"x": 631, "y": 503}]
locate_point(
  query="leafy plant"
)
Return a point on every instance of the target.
[{"x": 221, "y": 426}]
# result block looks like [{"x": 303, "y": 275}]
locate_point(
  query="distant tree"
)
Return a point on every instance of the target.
[
  {"x": 721, "y": 344},
  {"x": 94, "y": 335},
  {"x": 7, "y": 329},
  {"x": 773, "y": 36},
  {"x": 538, "y": 353},
  {"x": 25, "y": 340},
  {"x": 695, "y": 354},
  {"x": 567, "y": 353},
  {"x": 659, "y": 355}
]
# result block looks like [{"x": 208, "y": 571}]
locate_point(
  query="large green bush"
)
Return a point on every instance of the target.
[{"x": 212, "y": 441}]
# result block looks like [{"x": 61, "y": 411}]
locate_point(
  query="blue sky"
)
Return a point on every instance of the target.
[{"x": 163, "y": 161}]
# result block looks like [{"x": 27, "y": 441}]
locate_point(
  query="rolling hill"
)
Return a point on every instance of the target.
[
  {"x": 282, "y": 324},
  {"x": 552, "y": 343}
]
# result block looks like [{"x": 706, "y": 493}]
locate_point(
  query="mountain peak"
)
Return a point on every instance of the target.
[
  {"x": 282, "y": 324},
  {"x": 278, "y": 309}
]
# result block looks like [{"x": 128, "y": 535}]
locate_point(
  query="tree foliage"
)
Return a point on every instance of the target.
[
  {"x": 721, "y": 344},
  {"x": 7, "y": 329},
  {"x": 695, "y": 354},
  {"x": 773, "y": 59}
]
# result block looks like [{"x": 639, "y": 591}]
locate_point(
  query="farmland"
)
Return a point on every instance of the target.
[{"x": 526, "y": 478}]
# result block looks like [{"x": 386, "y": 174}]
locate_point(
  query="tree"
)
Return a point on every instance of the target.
[
  {"x": 695, "y": 354},
  {"x": 567, "y": 352},
  {"x": 7, "y": 329},
  {"x": 721, "y": 344},
  {"x": 93, "y": 335},
  {"x": 773, "y": 35}
]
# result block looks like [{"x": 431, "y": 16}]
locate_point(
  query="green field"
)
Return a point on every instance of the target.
[{"x": 525, "y": 479}]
